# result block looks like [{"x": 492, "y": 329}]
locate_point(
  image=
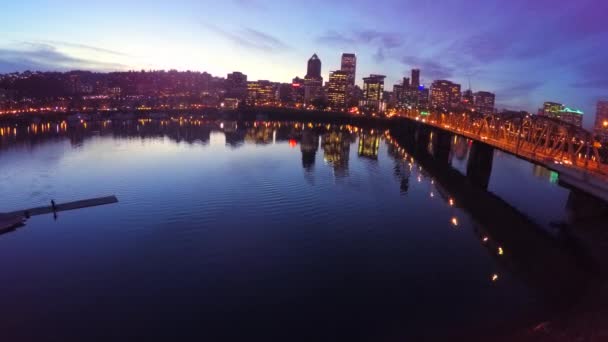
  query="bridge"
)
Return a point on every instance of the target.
[{"x": 559, "y": 146}]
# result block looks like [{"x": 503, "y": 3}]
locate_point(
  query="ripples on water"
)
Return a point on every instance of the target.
[{"x": 248, "y": 230}]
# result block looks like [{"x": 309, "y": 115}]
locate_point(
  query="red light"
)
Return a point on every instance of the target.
[
  {"x": 293, "y": 143},
  {"x": 296, "y": 85}
]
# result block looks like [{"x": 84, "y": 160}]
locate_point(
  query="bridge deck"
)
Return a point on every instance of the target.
[{"x": 589, "y": 178}]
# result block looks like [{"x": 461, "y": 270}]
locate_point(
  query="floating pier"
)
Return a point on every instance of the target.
[
  {"x": 9, "y": 224},
  {"x": 11, "y": 221}
]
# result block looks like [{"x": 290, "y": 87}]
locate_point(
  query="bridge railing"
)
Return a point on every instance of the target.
[{"x": 534, "y": 137}]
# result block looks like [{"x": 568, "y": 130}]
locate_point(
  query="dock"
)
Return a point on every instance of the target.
[
  {"x": 8, "y": 224},
  {"x": 12, "y": 220}
]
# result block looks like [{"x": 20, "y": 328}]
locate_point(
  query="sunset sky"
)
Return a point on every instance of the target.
[{"x": 524, "y": 51}]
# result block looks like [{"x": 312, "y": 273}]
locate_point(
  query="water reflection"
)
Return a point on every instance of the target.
[
  {"x": 309, "y": 147},
  {"x": 444, "y": 185},
  {"x": 336, "y": 150},
  {"x": 369, "y": 143}
]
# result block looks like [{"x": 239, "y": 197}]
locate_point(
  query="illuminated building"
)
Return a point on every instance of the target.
[
  {"x": 313, "y": 82},
  {"x": 230, "y": 103},
  {"x": 467, "y": 99},
  {"x": 601, "y": 120},
  {"x": 297, "y": 85},
  {"x": 349, "y": 65},
  {"x": 444, "y": 94},
  {"x": 337, "y": 87},
  {"x": 260, "y": 93},
  {"x": 423, "y": 96},
  {"x": 373, "y": 91},
  {"x": 484, "y": 102},
  {"x": 561, "y": 112},
  {"x": 398, "y": 94},
  {"x": 415, "y": 78},
  {"x": 550, "y": 107}
]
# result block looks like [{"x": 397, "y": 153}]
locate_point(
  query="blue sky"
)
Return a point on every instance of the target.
[{"x": 524, "y": 51}]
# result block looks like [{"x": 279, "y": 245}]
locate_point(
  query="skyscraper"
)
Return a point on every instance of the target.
[
  {"x": 468, "y": 99},
  {"x": 373, "y": 91},
  {"x": 337, "y": 87},
  {"x": 601, "y": 120},
  {"x": 313, "y": 82},
  {"x": 484, "y": 102},
  {"x": 349, "y": 65},
  {"x": 314, "y": 68},
  {"x": 415, "y": 78},
  {"x": 373, "y": 87},
  {"x": 444, "y": 94}
]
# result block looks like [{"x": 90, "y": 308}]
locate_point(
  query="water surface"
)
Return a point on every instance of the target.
[{"x": 229, "y": 230}]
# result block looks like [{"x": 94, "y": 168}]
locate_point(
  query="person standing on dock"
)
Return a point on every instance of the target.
[{"x": 53, "y": 206}]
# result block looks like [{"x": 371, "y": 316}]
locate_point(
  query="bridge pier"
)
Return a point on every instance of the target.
[
  {"x": 479, "y": 166},
  {"x": 422, "y": 137},
  {"x": 442, "y": 145}
]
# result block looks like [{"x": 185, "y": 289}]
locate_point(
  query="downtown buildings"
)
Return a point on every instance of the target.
[
  {"x": 601, "y": 120},
  {"x": 337, "y": 88},
  {"x": 561, "y": 112},
  {"x": 410, "y": 93},
  {"x": 348, "y": 65},
  {"x": 313, "y": 81},
  {"x": 445, "y": 94},
  {"x": 373, "y": 94},
  {"x": 484, "y": 102}
]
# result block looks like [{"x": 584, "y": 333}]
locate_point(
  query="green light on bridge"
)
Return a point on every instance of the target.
[
  {"x": 425, "y": 113},
  {"x": 554, "y": 177}
]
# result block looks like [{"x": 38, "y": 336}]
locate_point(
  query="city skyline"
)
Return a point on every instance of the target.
[{"x": 502, "y": 48}]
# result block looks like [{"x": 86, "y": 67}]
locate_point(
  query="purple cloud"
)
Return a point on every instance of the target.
[
  {"x": 36, "y": 56},
  {"x": 251, "y": 38}
]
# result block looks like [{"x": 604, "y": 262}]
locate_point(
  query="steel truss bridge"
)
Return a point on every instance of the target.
[{"x": 563, "y": 147}]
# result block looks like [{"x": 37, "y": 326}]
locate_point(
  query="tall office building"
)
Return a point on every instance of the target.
[
  {"x": 337, "y": 88},
  {"x": 484, "y": 102},
  {"x": 349, "y": 65},
  {"x": 313, "y": 71},
  {"x": 444, "y": 94},
  {"x": 415, "y": 78},
  {"x": 373, "y": 87},
  {"x": 313, "y": 82},
  {"x": 373, "y": 92},
  {"x": 467, "y": 98},
  {"x": 398, "y": 95},
  {"x": 601, "y": 120}
]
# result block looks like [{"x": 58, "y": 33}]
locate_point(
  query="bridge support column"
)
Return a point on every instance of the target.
[
  {"x": 423, "y": 136},
  {"x": 442, "y": 145},
  {"x": 479, "y": 166}
]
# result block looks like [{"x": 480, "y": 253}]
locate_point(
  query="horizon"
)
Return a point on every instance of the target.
[{"x": 514, "y": 50}]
